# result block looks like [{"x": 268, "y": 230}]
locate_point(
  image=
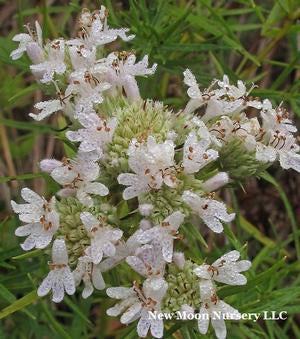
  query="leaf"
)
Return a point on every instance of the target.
[
  {"x": 274, "y": 17},
  {"x": 266, "y": 176},
  {"x": 254, "y": 282},
  {"x": 276, "y": 300},
  {"x": 122, "y": 209},
  {"x": 19, "y": 304},
  {"x": 76, "y": 309},
  {"x": 56, "y": 325},
  {"x": 22, "y": 177},
  {"x": 285, "y": 73},
  {"x": 23, "y": 92},
  {"x": 30, "y": 126},
  {"x": 9, "y": 297},
  {"x": 6, "y": 294},
  {"x": 27, "y": 255},
  {"x": 186, "y": 47},
  {"x": 253, "y": 231}
]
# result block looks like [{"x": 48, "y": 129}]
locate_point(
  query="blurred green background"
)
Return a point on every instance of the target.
[{"x": 253, "y": 40}]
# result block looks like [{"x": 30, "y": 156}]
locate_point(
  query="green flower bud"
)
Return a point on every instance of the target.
[
  {"x": 183, "y": 287},
  {"x": 71, "y": 227},
  {"x": 238, "y": 162},
  {"x": 138, "y": 120}
]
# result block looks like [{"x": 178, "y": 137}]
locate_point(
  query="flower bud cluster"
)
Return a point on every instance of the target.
[{"x": 140, "y": 174}]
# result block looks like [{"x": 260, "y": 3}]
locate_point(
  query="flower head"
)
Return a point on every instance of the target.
[
  {"x": 30, "y": 43},
  {"x": 136, "y": 303},
  {"x": 54, "y": 62},
  {"x": 122, "y": 70},
  {"x": 103, "y": 237},
  {"x": 164, "y": 234},
  {"x": 90, "y": 274},
  {"x": 282, "y": 146},
  {"x": 150, "y": 163},
  {"x": 41, "y": 218},
  {"x": 225, "y": 270},
  {"x": 148, "y": 262},
  {"x": 77, "y": 176},
  {"x": 95, "y": 135},
  {"x": 87, "y": 92},
  {"x": 94, "y": 30},
  {"x": 124, "y": 249},
  {"x": 215, "y": 310},
  {"x": 46, "y": 109},
  {"x": 196, "y": 154},
  {"x": 211, "y": 211},
  {"x": 60, "y": 278}
]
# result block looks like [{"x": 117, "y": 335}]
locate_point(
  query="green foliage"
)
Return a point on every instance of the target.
[{"x": 254, "y": 40}]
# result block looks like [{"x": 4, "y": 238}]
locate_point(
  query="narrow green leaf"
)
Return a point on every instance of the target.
[
  {"x": 55, "y": 324},
  {"x": 19, "y": 304},
  {"x": 27, "y": 255},
  {"x": 30, "y": 126},
  {"x": 10, "y": 298},
  {"x": 289, "y": 210},
  {"x": 76, "y": 309},
  {"x": 23, "y": 92},
  {"x": 22, "y": 177}
]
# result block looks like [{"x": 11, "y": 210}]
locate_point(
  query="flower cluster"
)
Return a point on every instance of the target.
[{"x": 141, "y": 174}]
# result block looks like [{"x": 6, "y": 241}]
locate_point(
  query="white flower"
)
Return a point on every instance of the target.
[
  {"x": 231, "y": 91},
  {"x": 23, "y": 39},
  {"x": 214, "y": 309},
  {"x": 96, "y": 134},
  {"x": 151, "y": 164},
  {"x": 122, "y": 71},
  {"x": 226, "y": 269},
  {"x": 217, "y": 181},
  {"x": 46, "y": 109},
  {"x": 282, "y": 147},
  {"x": 212, "y": 212},
  {"x": 41, "y": 218},
  {"x": 204, "y": 133},
  {"x": 276, "y": 119},
  {"x": 193, "y": 91},
  {"x": 53, "y": 63},
  {"x": 225, "y": 100},
  {"x": 90, "y": 274},
  {"x": 218, "y": 107},
  {"x": 83, "y": 60},
  {"x": 77, "y": 176},
  {"x": 60, "y": 278},
  {"x": 86, "y": 93},
  {"x": 30, "y": 44},
  {"x": 123, "y": 250},
  {"x": 103, "y": 237},
  {"x": 94, "y": 30},
  {"x": 148, "y": 262},
  {"x": 229, "y": 99},
  {"x": 136, "y": 303},
  {"x": 197, "y": 97},
  {"x": 145, "y": 209},
  {"x": 275, "y": 140},
  {"x": 164, "y": 234},
  {"x": 196, "y": 155},
  {"x": 244, "y": 129}
]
